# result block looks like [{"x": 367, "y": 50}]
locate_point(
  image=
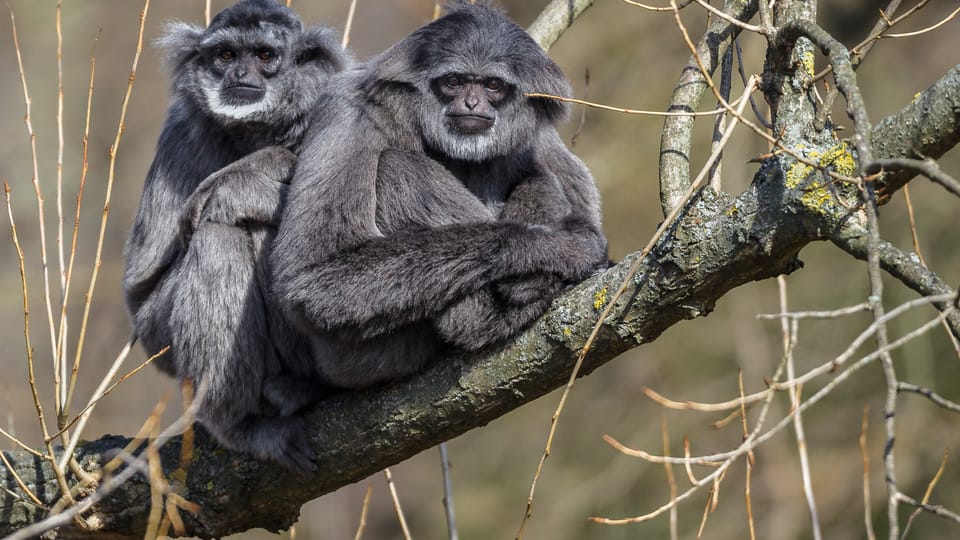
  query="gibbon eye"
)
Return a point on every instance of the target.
[
  {"x": 226, "y": 55},
  {"x": 494, "y": 85},
  {"x": 266, "y": 55},
  {"x": 453, "y": 81}
]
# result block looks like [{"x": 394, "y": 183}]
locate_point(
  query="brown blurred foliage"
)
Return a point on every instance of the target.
[{"x": 634, "y": 58}]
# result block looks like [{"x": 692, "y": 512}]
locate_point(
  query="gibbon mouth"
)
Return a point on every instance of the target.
[
  {"x": 471, "y": 123},
  {"x": 243, "y": 92}
]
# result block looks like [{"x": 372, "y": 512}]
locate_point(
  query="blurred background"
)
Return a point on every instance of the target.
[{"x": 634, "y": 58}]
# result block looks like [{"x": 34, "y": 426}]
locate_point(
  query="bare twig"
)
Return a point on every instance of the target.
[
  {"x": 60, "y": 375},
  {"x": 936, "y": 510},
  {"x": 102, "y": 390},
  {"x": 84, "y": 166},
  {"x": 867, "y": 521},
  {"x": 942, "y": 22},
  {"x": 789, "y": 331},
  {"x": 927, "y": 493},
  {"x": 929, "y": 394},
  {"x": 349, "y": 24},
  {"x": 448, "y": 493},
  {"x": 726, "y": 82},
  {"x": 661, "y": 230},
  {"x": 31, "y": 377},
  {"x": 595, "y": 105},
  {"x": 749, "y": 460},
  {"x": 831, "y": 314},
  {"x": 20, "y": 482},
  {"x": 890, "y": 374},
  {"x": 109, "y": 192},
  {"x": 20, "y": 443},
  {"x": 111, "y": 483},
  {"x": 726, "y": 459},
  {"x": 671, "y": 481},
  {"x": 735, "y": 22},
  {"x": 396, "y": 504},
  {"x": 363, "y": 513},
  {"x": 927, "y": 167},
  {"x": 155, "y": 474},
  {"x": 39, "y": 195}
]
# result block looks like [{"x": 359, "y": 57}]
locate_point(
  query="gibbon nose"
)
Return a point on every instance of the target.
[{"x": 471, "y": 102}]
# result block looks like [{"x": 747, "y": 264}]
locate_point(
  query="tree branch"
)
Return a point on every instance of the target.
[
  {"x": 720, "y": 243},
  {"x": 906, "y": 267},
  {"x": 676, "y": 137},
  {"x": 554, "y": 20},
  {"x": 926, "y": 128}
]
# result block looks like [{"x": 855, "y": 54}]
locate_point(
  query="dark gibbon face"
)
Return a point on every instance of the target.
[
  {"x": 471, "y": 100},
  {"x": 238, "y": 74},
  {"x": 244, "y": 72},
  {"x": 476, "y": 116}
]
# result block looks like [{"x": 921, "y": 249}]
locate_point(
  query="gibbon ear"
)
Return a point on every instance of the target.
[
  {"x": 395, "y": 65},
  {"x": 319, "y": 45},
  {"x": 179, "y": 42},
  {"x": 546, "y": 77}
]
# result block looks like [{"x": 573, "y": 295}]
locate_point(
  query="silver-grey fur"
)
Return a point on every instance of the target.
[
  {"x": 195, "y": 276},
  {"x": 401, "y": 236}
]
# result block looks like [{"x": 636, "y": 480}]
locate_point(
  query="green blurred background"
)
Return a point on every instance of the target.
[{"x": 634, "y": 58}]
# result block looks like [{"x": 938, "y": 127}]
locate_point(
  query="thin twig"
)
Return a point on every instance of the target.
[
  {"x": 111, "y": 483},
  {"x": 31, "y": 377},
  {"x": 736, "y": 22},
  {"x": 21, "y": 483},
  {"x": 20, "y": 443},
  {"x": 749, "y": 461},
  {"x": 927, "y": 493},
  {"x": 155, "y": 474},
  {"x": 916, "y": 249},
  {"x": 671, "y": 481},
  {"x": 929, "y": 394},
  {"x": 823, "y": 369},
  {"x": 789, "y": 331},
  {"x": 726, "y": 82},
  {"x": 396, "y": 504},
  {"x": 99, "y": 393},
  {"x": 927, "y": 167},
  {"x": 363, "y": 513},
  {"x": 448, "y": 493},
  {"x": 595, "y": 105},
  {"x": 60, "y": 375},
  {"x": 936, "y": 510},
  {"x": 627, "y": 280},
  {"x": 942, "y": 22},
  {"x": 725, "y": 459},
  {"x": 84, "y": 166},
  {"x": 816, "y": 397},
  {"x": 867, "y": 506},
  {"x": 39, "y": 195},
  {"x": 889, "y": 372},
  {"x": 349, "y": 24},
  {"x": 109, "y": 192}
]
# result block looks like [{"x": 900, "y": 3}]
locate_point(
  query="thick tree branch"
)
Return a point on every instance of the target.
[
  {"x": 926, "y": 128},
  {"x": 677, "y": 131},
  {"x": 554, "y": 20},
  {"x": 719, "y": 244}
]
